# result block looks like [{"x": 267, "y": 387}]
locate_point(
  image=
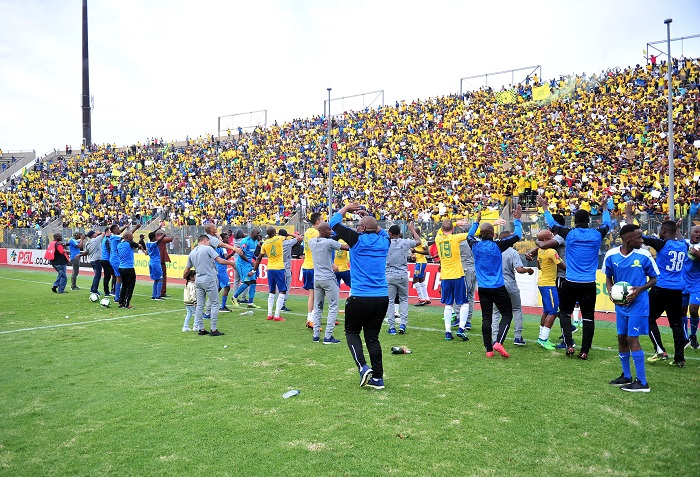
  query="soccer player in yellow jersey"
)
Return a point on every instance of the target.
[
  {"x": 307, "y": 267},
  {"x": 452, "y": 284},
  {"x": 421, "y": 252},
  {"x": 272, "y": 247},
  {"x": 548, "y": 261},
  {"x": 341, "y": 265}
]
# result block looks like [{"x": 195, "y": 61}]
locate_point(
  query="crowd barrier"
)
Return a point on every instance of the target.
[{"x": 527, "y": 283}]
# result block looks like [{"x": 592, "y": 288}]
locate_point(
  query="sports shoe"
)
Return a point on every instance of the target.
[
  {"x": 269, "y": 317},
  {"x": 546, "y": 344},
  {"x": 694, "y": 342},
  {"x": 376, "y": 383},
  {"x": 621, "y": 381},
  {"x": 54, "y": 289},
  {"x": 279, "y": 318},
  {"x": 461, "y": 334},
  {"x": 310, "y": 324},
  {"x": 224, "y": 309},
  {"x": 574, "y": 329},
  {"x": 519, "y": 342},
  {"x": 420, "y": 303},
  {"x": 396, "y": 316},
  {"x": 202, "y": 332},
  {"x": 427, "y": 302},
  {"x": 317, "y": 339},
  {"x": 448, "y": 335},
  {"x": 216, "y": 333},
  {"x": 680, "y": 364},
  {"x": 570, "y": 351},
  {"x": 498, "y": 347},
  {"x": 582, "y": 355},
  {"x": 75, "y": 288},
  {"x": 330, "y": 340},
  {"x": 454, "y": 323},
  {"x": 560, "y": 345},
  {"x": 402, "y": 329},
  {"x": 657, "y": 357},
  {"x": 234, "y": 301},
  {"x": 206, "y": 316},
  {"x": 686, "y": 344},
  {"x": 636, "y": 387},
  {"x": 489, "y": 354},
  {"x": 253, "y": 305},
  {"x": 284, "y": 308},
  {"x": 468, "y": 326},
  {"x": 391, "y": 331},
  {"x": 365, "y": 374},
  {"x": 185, "y": 329}
]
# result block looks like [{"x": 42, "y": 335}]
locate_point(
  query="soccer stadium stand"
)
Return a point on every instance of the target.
[{"x": 572, "y": 139}]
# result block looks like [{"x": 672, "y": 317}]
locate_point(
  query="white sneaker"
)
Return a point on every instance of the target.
[{"x": 185, "y": 329}]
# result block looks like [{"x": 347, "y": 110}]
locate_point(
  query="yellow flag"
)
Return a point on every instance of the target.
[
  {"x": 505, "y": 97},
  {"x": 540, "y": 92}
]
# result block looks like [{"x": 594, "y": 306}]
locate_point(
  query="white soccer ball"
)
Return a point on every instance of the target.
[
  {"x": 619, "y": 292},
  {"x": 105, "y": 302},
  {"x": 693, "y": 246},
  {"x": 94, "y": 297}
]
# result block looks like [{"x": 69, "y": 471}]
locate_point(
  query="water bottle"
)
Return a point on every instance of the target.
[
  {"x": 400, "y": 350},
  {"x": 291, "y": 393},
  {"x": 247, "y": 313}
]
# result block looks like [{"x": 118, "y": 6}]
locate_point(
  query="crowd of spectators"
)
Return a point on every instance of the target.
[{"x": 423, "y": 159}]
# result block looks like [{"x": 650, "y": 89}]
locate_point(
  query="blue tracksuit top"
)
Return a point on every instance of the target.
[
  {"x": 582, "y": 247},
  {"x": 368, "y": 252},
  {"x": 488, "y": 263},
  {"x": 670, "y": 256}
]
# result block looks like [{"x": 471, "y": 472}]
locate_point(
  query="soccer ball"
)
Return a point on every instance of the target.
[
  {"x": 105, "y": 302},
  {"x": 619, "y": 292},
  {"x": 695, "y": 246},
  {"x": 94, "y": 297}
]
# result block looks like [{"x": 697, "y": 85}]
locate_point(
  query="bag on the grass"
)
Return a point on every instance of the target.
[{"x": 50, "y": 251}]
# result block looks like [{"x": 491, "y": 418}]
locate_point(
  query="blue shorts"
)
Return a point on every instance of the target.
[
  {"x": 156, "y": 271},
  {"x": 275, "y": 278},
  {"x": 694, "y": 298},
  {"x": 308, "y": 278},
  {"x": 454, "y": 291},
  {"x": 550, "y": 300},
  {"x": 344, "y": 276},
  {"x": 686, "y": 299},
  {"x": 242, "y": 268},
  {"x": 631, "y": 325},
  {"x": 224, "y": 280},
  {"x": 419, "y": 270},
  {"x": 115, "y": 267}
]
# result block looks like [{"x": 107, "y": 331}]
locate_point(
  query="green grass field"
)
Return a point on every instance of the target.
[{"x": 94, "y": 391}]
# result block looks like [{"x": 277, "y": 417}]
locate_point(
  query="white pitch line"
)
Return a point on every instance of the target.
[{"x": 61, "y": 325}]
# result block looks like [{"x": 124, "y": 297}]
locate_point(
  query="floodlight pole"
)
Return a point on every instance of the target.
[
  {"x": 330, "y": 170},
  {"x": 671, "y": 206},
  {"x": 87, "y": 122}
]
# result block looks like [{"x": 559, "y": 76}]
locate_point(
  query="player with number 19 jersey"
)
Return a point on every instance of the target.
[{"x": 450, "y": 257}]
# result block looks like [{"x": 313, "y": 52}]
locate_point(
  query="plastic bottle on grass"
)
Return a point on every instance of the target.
[
  {"x": 400, "y": 350},
  {"x": 291, "y": 393}
]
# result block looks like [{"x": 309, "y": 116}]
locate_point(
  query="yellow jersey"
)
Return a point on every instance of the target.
[
  {"x": 342, "y": 258},
  {"x": 421, "y": 247},
  {"x": 547, "y": 260},
  {"x": 272, "y": 247},
  {"x": 308, "y": 256},
  {"x": 450, "y": 258}
]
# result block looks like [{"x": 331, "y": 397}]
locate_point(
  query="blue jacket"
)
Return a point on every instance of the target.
[{"x": 487, "y": 255}]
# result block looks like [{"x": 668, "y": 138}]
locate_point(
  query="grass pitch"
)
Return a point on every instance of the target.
[{"x": 94, "y": 391}]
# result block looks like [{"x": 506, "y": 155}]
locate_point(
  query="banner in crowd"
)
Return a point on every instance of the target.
[
  {"x": 506, "y": 97},
  {"x": 526, "y": 283},
  {"x": 540, "y": 92}
]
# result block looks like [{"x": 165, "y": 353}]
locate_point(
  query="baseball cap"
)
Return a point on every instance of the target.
[
  {"x": 90, "y": 234},
  {"x": 283, "y": 232}
]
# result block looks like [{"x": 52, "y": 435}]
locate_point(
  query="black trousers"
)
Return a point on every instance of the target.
[
  {"x": 499, "y": 297},
  {"x": 670, "y": 301},
  {"x": 584, "y": 294},
  {"x": 109, "y": 273},
  {"x": 97, "y": 269},
  {"x": 128, "y": 284},
  {"x": 365, "y": 313}
]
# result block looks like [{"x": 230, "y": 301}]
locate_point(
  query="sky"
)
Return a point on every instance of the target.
[{"x": 171, "y": 68}]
